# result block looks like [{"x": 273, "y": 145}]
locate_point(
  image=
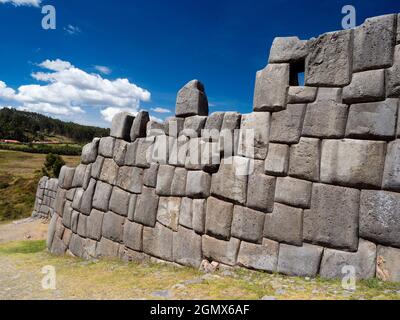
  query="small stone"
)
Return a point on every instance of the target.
[
  {"x": 132, "y": 236},
  {"x": 150, "y": 176},
  {"x": 164, "y": 180},
  {"x": 199, "y": 215},
  {"x": 187, "y": 248},
  {"x": 94, "y": 224},
  {"x": 388, "y": 263},
  {"x": 66, "y": 177},
  {"x": 186, "y": 213}
]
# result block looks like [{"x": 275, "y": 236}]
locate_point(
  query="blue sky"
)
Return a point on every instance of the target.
[{"x": 157, "y": 46}]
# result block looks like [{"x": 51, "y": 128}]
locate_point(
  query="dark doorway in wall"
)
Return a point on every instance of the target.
[{"x": 297, "y": 73}]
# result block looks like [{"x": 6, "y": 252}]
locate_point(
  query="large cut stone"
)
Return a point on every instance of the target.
[
  {"x": 66, "y": 177},
  {"x": 102, "y": 196},
  {"x": 355, "y": 163},
  {"x": 95, "y": 224},
  {"x": 106, "y": 147},
  {"x": 82, "y": 222},
  {"x": 139, "y": 125},
  {"x": 77, "y": 246},
  {"x": 178, "y": 186},
  {"x": 305, "y": 159},
  {"x": 179, "y": 150},
  {"x": 186, "y": 213},
  {"x": 286, "y": 125},
  {"x": 213, "y": 123},
  {"x": 393, "y": 75},
  {"x": 288, "y": 49},
  {"x": 247, "y": 224},
  {"x": 187, "y": 248},
  {"x": 79, "y": 175},
  {"x": 162, "y": 146},
  {"x": 293, "y": 192},
  {"x": 219, "y": 218},
  {"x": 174, "y": 126},
  {"x": 365, "y": 86},
  {"x": 132, "y": 207},
  {"x": 144, "y": 152},
  {"x": 299, "y": 261},
  {"x": 87, "y": 198},
  {"x": 199, "y": 215},
  {"x": 193, "y": 126},
  {"x": 375, "y": 120},
  {"x": 325, "y": 120},
  {"x": 155, "y": 128},
  {"x": 133, "y": 235},
  {"x": 89, "y": 152},
  {"x": 109, "y": 171},
  {"x": 120, "y": 149},
  {"x": 285, "y": 225},
  {"x": 373, "y": 43},
  {"x": 158, "y": 242},
  {"x": 302, "y": 94},
  {"x": 388, "y": 268},
  {"x": 225, "y": 252},
  {"x": 96, "y": 167},
  {"x": 277, "y": 161},
  {"x": 364, "y": 262},
  {"x": 229, "y": 135},
  {"x": 150, "y": 176},
  {"x": 391, "y": 175},
  {"x": 261, "y": 192},
  {"x": 119, "y": 201},
  {"x": 168, "y": 212},
  {"x": 146, "y": 207},
  {"x": 231, "y": 180},
  {"x": 130, "y": 153},
  {"x": 121, "y": 125},
  {"x": 380, "y": 218},
  {"x": 164, "y": 180},
  {"x": 198, "y": 184},
  {"x": 107, "y": 249},
  {"x": 272, "y": 83},
  {"x": 259, "y": 256},
  {"x": 76, "y": 203},
  {"x": 329, "y": 62},
  {"x": 332, "y": 220},
  {"x": 130, "y": 179},
  {"x": 113, "y": 226},
  {"x": 192, "y": 100},
  {"x": 398, "y": 29}
]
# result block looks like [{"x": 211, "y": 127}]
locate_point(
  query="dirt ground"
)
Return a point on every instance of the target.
[{"x": 26, "y": 229}]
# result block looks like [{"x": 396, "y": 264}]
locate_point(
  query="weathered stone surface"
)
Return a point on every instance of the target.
[
  {"x": 193, "y": 126},
  {"x": 297, "y": 95},
  {"x": 364, "y": 261},
  {"x": 192, "y": 100},
  {"x": 133, "y": 235},
  {"x": 139, "y": 125},
  {"x": 87, "y": 198},
  {"x": 178, "y": 186},
  {"x": 76, "y": 245},
  {"x": 76, "y": 203},
  {"x": 51, "y": 230},
  {"x": 121, "y": 125},
  {"x": 130, "y": 154},
  {"x": 96, "y": 167},
  {"x": 353, "y": 162},
  {"x": 299, "y": 261},
  {"x": 82, "y": 222},
  {"x": 286, "y": 125},
  {"x": 219, "y": 218},
  {"x": 95, "y": 224},
  {"x": 164, "y": 180},
  {"x": 89, "y": 152},
  {"x": 202, "y": 155},
  {"x": 158, "y": 242},
  {"x": 247, "y": 224},
  {"x": 373, "y": 43},
  {"x": 375, "y": 120},
  {"x": 260, "y": 257},
  {"x": 329, "y": 62},
  {"x": 174, "y": 126},
  {"x": 288, "y": 49},
  {"x": 231, "y": 180},
  {"x": 391, "y": 175},
  {"x": 305, "y": 159},
  {"x": 150, "y": 176},
  {"x": 65, "y": 178},
  {"x": 225, "y": 252},
  {"x": 199, "y": 215},
  {"x": 254, "y": 135},
  {"x": 130, "y": 179},
  {"x": 107, "y": 248},
  {"x": 67, "y": 214},
  {"x": 155, "y": 128},
  {"x": 109, "y": 171},
  {"x": 186, "y": 213},
  {"x": 272, "y": 83},
  {"x": 144, "y": 152},
  {"x": 113, "y": 225},
  {"x": 146, "y": 207},
  {"x": 293, "y": 192},
  {"x": 393, "y": 75},
  {"x": 388, "y": 264},
  {"x": 168, "y": 212},
  {"x": 106, "y": 147},
  {"x": 214, "y": 122},
  {"x": 178, "y": 152},
  {"x": 261, "y": 192},
  {"x": 120, "y": 149},
  {"x": 198, "y": 184},
  {"x": 229, "y": 135},
  {"x": 187, "y": 248},
  {"x": 80, "y": 170},
  {"x": 58, "y": 247},
  {"x": 285, "y": 225},
  {"x": 398, "y": 29},
  {"x": 132, "y": 207},
  {"x": 379, "y": 217},
  {"x": 332, "y": 220},
  {"x": 277, "y": 161},
  {"x": 325, "y": 119},
  {"x": 102, "y": 196},
  {"x": 367, "y": 86},
  {"x": 74, "y": 221},
  {"x": 162, "y": 146},
  {"x": 119, "y": 201}
]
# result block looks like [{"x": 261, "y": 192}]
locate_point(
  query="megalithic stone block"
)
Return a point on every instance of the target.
[
  {"x": 89, "y": 152},
  {"x": 66, "y": 177},
  {"x": 286, "y": 125},
  {"x": 288, "y": 49},
  {"x": 260, "y": 257},
  {"x": 298, "y": 95},
  {"x": 272, "y": 84},
  {"x": 187, "y": 247},
  {"x": 393, "y": 75},
  {"x": 121, "y": 125},
  {"x": 192, "y": 100},
  {"x": 106, "y": 147},
  {"x": 139, "y": 126},
  {"x": 391, "y": 175},
  {"x": 222, "y": 251}
]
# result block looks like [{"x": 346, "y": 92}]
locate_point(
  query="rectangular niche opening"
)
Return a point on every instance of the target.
[{"x": 297, "y": 73}]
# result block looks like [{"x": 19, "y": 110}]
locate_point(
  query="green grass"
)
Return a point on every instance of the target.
[{"x": 23, "y": 247}]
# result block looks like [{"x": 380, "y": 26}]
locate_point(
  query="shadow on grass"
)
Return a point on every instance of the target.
[{"x": 23, "y": 247}]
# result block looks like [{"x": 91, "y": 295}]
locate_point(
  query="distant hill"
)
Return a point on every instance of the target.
[{"x": 28, "y": 127}]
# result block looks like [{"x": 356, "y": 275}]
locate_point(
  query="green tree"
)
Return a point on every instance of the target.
[{"x": 52, "y": 165}]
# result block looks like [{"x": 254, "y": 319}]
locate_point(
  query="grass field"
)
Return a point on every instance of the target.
[
  {"x": 19, "y": 175},
  {"x": 22, "y": 263}
]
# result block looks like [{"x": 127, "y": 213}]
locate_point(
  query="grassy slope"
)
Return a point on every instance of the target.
[
  {"x": 77, "y": 279},
  {"x": 19, "y": 175}
]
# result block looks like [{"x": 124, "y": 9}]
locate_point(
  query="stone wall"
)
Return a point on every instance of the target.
[
  {"x": 45, "y": 198},
  {"x": 307, "y": 183}
]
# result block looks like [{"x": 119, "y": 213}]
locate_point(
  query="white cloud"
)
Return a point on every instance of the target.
[
  {"x": 103, "y": 69},
  {"x": 109, "y": 113},
  {"x": 70, "y": 29},
  {"x": 152, "y": 118},
  {"x": 18, "y": 3},
  {"x": 68, "y": 90},
  {"x": 161, "y": 110}
]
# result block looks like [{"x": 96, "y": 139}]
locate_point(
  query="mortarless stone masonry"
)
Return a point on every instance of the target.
[{"x": 316, "y": 189}]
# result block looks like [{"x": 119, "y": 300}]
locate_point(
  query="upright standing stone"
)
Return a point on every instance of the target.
[
  {"x": 286, "y": 125},
  {"x": 66, "y": 177},
  {"x": 139, "y": 125},
  {"x": 186, "y": 213},
  {"x": 192, "y": 100},
  {"x": 121, "y": 125},
  {"x": 95, "y": 224},
  {"x": 119, "y": 201},
  {"x": 178, "y": 186},
  {"x": 305, "y": 159}
]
